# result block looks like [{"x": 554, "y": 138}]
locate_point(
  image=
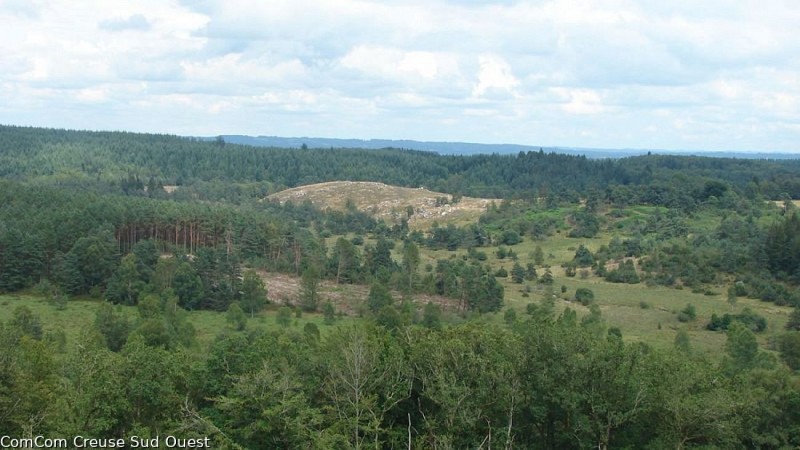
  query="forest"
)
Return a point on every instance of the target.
[{"x": 463, "y": 338}]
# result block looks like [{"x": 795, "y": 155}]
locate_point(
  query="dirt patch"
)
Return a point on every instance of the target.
[
  {"x": 389, "y": 203},
  {"x": 284, "y": 289}
]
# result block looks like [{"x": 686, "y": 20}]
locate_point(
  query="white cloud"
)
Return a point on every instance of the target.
[
  {"x": 581, "y": 101},
  {"x": 399, "y": 65},
  {"x": 136, "y": 22},
  {"x": 612, "y": 73},
  {"x": 494, "y": 77}
]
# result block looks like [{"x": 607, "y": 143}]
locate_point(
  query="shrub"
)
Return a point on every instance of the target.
[
  {"x": 754, "y": 322},
  {"x": 687, "y": 314},
  {"x": 625, "y": 273},
  {"x": 584, "y": 295}
]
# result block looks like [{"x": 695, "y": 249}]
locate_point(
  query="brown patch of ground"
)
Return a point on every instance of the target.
[
  {"x": 387, "y": 202},
  {"x": 285, "y": 289}
]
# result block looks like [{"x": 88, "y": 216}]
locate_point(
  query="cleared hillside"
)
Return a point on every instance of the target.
[{"x": 389, "y": 202}]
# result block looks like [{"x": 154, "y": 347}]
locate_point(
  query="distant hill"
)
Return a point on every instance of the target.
[
  {"x": 466, "y": 148},
  {"x": 390, "y": 203}
]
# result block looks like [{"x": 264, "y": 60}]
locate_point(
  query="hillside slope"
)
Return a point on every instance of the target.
[{"x": 388, "y": 202}]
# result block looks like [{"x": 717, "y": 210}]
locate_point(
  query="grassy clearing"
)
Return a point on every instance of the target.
[
  {"x": 77, "y": 316},
  {"x": 80, "y": 313},
  {"x": 644, "y": 314}
]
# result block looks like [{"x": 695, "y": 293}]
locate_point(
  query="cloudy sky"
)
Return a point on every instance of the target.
[{"x": 671, "y": 74}]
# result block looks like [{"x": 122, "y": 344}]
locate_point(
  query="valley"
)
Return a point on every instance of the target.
[{"x": 235, "y": 293}]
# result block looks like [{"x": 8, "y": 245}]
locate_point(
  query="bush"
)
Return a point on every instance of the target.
[
  {"x": 583, "y": 257},
  {"x": 754, "y": 322},
  {"x": 625, "y": 273},
  {"x": 284, "y": 317},
  {"x": 687, "y": 314},
  {"x": 584, "y": 295},
  {"x": 510, "y": 237},
  {"x": 510, "y": 316}
]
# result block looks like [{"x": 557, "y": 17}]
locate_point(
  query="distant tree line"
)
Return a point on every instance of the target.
[{"x": 140, "y": 163}]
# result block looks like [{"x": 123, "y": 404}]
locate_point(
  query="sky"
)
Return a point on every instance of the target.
[{"x": 717, "y": 75}]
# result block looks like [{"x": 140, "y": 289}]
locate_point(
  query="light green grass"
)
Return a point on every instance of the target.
[
  {"x": 80, "y": 313},
  {"x": 621, "y": 303}
]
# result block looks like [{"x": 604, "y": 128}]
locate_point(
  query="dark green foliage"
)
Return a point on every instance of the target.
[
  {"x": 633, "y": 180},
  {"x": 411, "y": 260},
  {"x": 473, "y": 285},
  {"x": 311, "y": 330},
  {"x": 187, "y": 286},
  {"x": 379, "y": 258},
  {"x": 501, "y": 252},
  {"x": 789, "y": 348},
  {"x": 547, "y": 278},
  {"x": 309, "y": 289},
  {"x": 254, "y": 293},
  {"x": 625, "y": 273},
  {"x": 793, "y": 324},
  {"x": 284, "y": 316},
  {"x": 510, "y": 237},
  {"x": 517, "y": 273},
  {"x": 25, "y": 323},
  {"x": 584, "y": 295},
  {"x": 236, "y": 316},
  {"x": 583, "y": 257},
  {"x": 713, "y": 188},
  {"x": 345, "y": 263},
  {"x": 582, "y": 384},
  {"x": 113, "y": 326},
  {"x": 687, "y": 314},
  {"x": 501, "y": 273},
  {"x": 741, "y": 348},
  {"x": 90, "y": 262},
  {"x": 752, "y": 321},
  {"x": 379, "y": 297},
  {"x": 586, "y": 225},
  {"x": 530, "y": 272},
  {"x": 432, "y": 316},
  {"x": 21, "y": 259},
  {"x": 782, "y": 248},
  {"x": 682, "y": 341},
  {"x": 149, "y": 307},
  {"x": 153, "y": 332},
  {"x": 219, "y": 272},
  {"x": 510, "y": 316},
  {"x": 389, "y": 318},
  {"x": 126, "y": 283},
  {"x": 329, "y": 313}
]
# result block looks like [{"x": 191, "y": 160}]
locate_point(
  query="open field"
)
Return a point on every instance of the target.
[
  {"x": 79, "y": 316},
  {"x": 388, "y": 202},
  {"x": 644, "y": 314}
]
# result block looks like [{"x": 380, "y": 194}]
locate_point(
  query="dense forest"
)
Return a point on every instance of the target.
[
  {"x": 150, "y": 228},
  {"x": 130, "y": 161}
]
